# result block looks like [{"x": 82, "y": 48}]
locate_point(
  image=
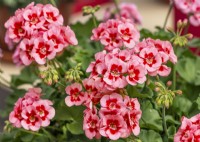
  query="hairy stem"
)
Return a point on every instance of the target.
[
  {"x": 164, "y": 122},
  {"x": 94, "y": 20},
  {"x": 168, "y": 13}
]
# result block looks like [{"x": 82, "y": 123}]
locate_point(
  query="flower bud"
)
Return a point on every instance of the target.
[
  {"x": 179, "y": 92},
  {"x": 169, "y": 83}
]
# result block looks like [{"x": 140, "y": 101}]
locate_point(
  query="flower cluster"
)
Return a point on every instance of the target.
[
  {"x": 119, "y": 68},
  {"x": 189, "y": 130},
  {"x": 127, "y": 11},
  {"x": 39, "y": 34},
  {"x": 31, "y": 112},
  {"x": 116, "y": 34},
  {"x": 118, "y": 116},
  {"x": 190, "y": 7}
]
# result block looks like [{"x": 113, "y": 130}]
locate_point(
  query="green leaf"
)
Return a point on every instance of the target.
[
  {"x": 76, "y": 127},
  {"x": 150, "y": 136},
  {"x": 189, "y": 69},
  {"x": 171, "y": 132},
  {"x": 171, "y": 120},
  {"x": 134, "y": 93},
  {"x": 150, "y": 117},
  {"x": 195, "y": 42},
  {"x": 181, "y": 105}
]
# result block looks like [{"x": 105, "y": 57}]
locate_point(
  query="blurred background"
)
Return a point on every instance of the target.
[{"x": 152, "y": 11}]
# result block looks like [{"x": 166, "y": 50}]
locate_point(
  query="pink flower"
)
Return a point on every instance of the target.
[
  {"x": 76, "y": 97},
  {"x": 136, "y": 72},
  {"x": 151, "y": 59},
  {"x": 127, "y": 11},
  {"x": 112, "y": 126},
  {"x": 130, "y": 11},
  {"x": 31, "y": 120},
  {"x": 15, "y": 116},
  {"x": 185, "y": 132},
  {"x": 112, "y": 102},
  {"x": 43, "y": 50},
  {"x": 68, "y": 36},
  {"x": 26, "y": 47},
  {"x": 111, "y": 39},
  {"x": 91, "y": 125},
  {"x": 15, "y": 27},
  {"x": 114, "y": 75},
  {"x": 33, "y": 18},
  {"x": 54, "y": 35},
  {"x": 31, "y": 112},
  {"x": 195, "y": 19},
  {"x": 129, "y": 34},
  {"x": 185, "y": 5},
  {"x": 98, "y": 32},
  {"x": 45, "y": 111},
  {"x": 51, "y": 14},
  {"x": 16, "y": 57}
]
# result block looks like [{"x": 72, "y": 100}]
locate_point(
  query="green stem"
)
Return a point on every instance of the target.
[
  {"x": 94, "y": 20},
  {"x": 164, "y": 122},
  {"x": 117, "y": 7},
  {"x": 168, "y": 13}
]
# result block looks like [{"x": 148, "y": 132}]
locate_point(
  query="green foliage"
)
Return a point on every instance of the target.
[{"x": 150, "y": 136}]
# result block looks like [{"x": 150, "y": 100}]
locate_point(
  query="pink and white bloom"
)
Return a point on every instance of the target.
[
  {"x": 15, "y": 116},
  {"x": 185, "y": 132},
  {"x": 112, "y": 126},
  {"x": 31, "y": 112},
  {"x": 45, "y": 111},
  {"x": 129, "y": 34},
  {"x": 112, "y": 103},
  {"x": 136, "y": 73},
  {"x": 43, "y": 50},
  {"x": 114, "y": 75},
  {"x": 91, "y": 125},
  {"x": 76, "y": 97},
  {"x": 51, "y": 14},
  {"x": 151, "y": 59},
  {"x": 31, "y": 120},
  {"x": 26, "y": 47}
]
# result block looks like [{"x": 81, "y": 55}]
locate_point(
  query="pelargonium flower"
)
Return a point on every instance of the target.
[
  {"x": 31, "y": 112},
  {"x": 127, "y": 10},
  {"x": 189, "y": 130},
  {"x": 112, "y": 126},
  {"x": 191, "y": 8},
  {"x": 91, "y": 125},
  {"x": 76, "y": 97},
  {"x": 155, "y": 55},
  {"x": 41, "y": 25},
  {"x": 116, "y": 33}
]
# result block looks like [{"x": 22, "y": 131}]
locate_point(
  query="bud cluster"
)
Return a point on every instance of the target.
[
  {"x": 178, "y": 39},
  {"x": 164, "y": 95},
  {"x": 87, "y": 10},
  {"x": 74, "y": 74},
  {"x": 49, "y": 76}
]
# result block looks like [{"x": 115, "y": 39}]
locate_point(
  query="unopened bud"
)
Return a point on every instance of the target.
[
  {"x": 157, "y": 89},
  {"x": 185, "y": 22},
  {"x": 179, "y": 92},
  {"x": 189, "y": 36},
  {"x": 169, "y": 83},
  {"x": 179, "y": 24}
]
